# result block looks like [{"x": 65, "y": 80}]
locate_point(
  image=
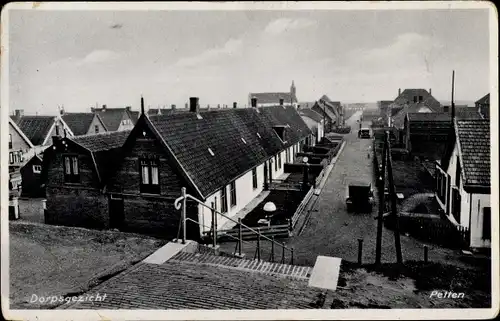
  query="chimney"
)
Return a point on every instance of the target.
[
  {"x": 173, "y": 107},
  {"x": 218, "y": 106},
  {"x": 61, "y": 111},
  {"x": 254, "y": 102},
  {"x": 103, "y": 107},
  {"x": 282, "y": 101},
  {"x": 235, "y": 105},
  {"x": 430, "y": 91},
  {"x": 446, "y": 109},
  {"x": 193, "y": 104},
  {"x": 19, "y": 112},
  {"x": 128, "y": 108},
  {"x": 399, "y": 92},
  {"x": 142, "y": 105}
]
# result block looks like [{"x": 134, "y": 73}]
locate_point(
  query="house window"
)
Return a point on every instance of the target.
[
  {"x": 96, "y": 129},
  {"x": 223, "y": 199},
  {"x": 37, "y": 169},
  {"x": 414, "y": 99},
  {"x": 10, "y": 141},
  {"x": 11, "y": 158},
  {"x": 420, "y": 98},
  {"x": 457, "y": 174},
  {"x": 233, "y": 193},
  {"x": 71, "y": 169},
  {"x": 149, "y": 176},
  {"x": 275, "y": 163},
  {"x": 279, "y": 160},
  {"x": 486, "y": 223},
  {"x": 254, "y": 178}
]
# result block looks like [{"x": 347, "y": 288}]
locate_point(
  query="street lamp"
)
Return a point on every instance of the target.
[{"x": 269, "y": 208}]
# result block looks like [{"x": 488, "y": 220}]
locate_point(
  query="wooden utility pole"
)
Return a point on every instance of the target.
[
  {"x": 452, "y": 97},
  {"x": 394, "y": 210},
  {"x": 381, "y": 206}
]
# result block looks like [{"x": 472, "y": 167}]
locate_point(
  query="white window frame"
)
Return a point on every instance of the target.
[{"x": 37, "y": 169}]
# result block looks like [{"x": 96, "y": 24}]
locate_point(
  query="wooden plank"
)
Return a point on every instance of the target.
[{"x": 325, "y": 273}]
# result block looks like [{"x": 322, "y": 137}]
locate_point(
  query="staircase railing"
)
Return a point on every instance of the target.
[{"x": 180, "y": 204}]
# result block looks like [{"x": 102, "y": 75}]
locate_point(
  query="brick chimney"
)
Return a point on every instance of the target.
[
  {"x": 174, "y": 107},
  {"x": 235, "y": 105},
  {"x": 399, "y": 92},
  {"x": 430, "y": 91},
  {"x": 194, "y": 106},
  {"x": 19, "y": 112},
  {"x": 282, "y": 101},
  {"x": 104, "y": 107},
  {"x": 254, "y": 102}
]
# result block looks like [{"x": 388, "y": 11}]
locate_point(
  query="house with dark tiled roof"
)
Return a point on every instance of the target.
[
  {"x": 384, "y": 108},
  {"x": 426, "y": 134},
  {"x": 463, "y": 179},
  {"x": 31, "y": 177},
  {"x": 275, "y": 98},
  {"x": 30, "y": 136},
  {"x": 116, "y": 119},
  {"x": 322, "y": 108},
  {"x": 412, "y": 101},
  {"x": 19, "y": 146},
  {"x": 84, "y": 123},
  {"x": 74, "y": 174},
  {"x": 314, "y": 121},
  {"x": 483, "y": 106},
  {"x": 224, "y": 157}
]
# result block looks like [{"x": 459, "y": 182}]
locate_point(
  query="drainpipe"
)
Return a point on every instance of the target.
[{"x": 470, "y": 217}]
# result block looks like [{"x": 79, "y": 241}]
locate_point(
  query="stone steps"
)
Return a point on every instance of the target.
[{"x": 269, "y": 268}]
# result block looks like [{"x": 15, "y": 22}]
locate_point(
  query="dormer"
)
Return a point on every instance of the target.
[{"x": 281, "y": 132}]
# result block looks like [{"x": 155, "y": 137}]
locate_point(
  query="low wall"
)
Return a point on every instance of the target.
[{"x": 314, "y": 169}]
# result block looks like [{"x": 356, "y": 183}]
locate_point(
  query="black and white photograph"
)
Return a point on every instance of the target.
[{"x": 249, "y": 160}]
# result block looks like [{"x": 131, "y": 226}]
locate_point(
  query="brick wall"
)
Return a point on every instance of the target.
[
  {"x": 71, "y": 206},
  {"x": 157, "y": 217},
  {"x": 127, "y": 177}
]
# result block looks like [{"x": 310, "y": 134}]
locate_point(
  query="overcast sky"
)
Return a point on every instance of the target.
[{"x": 80, "y": 58}]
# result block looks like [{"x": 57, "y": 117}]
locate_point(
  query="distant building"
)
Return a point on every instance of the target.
[
  {"x": 275, "y": 98},
  {"x": 410, "y": 101},
  {"x": 463, "y": 180},
  {"x": 384, "y": 108},
  {"x": 314, "y": 121},
  {"x": 84, "y": 123},
  {"x": 116, "y": 119},
  {"x": 483, "y": 106},
  {"x": 37, "y": 130}
]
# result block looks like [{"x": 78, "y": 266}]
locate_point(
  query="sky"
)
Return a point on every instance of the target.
[{"x": 78, "y": 59}]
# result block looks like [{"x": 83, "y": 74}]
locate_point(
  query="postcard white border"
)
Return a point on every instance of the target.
[{"x": 249, "y": 314}]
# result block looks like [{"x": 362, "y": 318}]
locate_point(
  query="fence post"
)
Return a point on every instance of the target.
[
  {"x": 240, "y": 236},
  {"x": 214, "y": 236},
  {"x": 291, "y": 253},
  {"x": 183, "y": 191},
  {"x": 272, "y": 248},
  {"x": 258, "y": 244},
  {"x": 283, "y": 253},
  {"x": 360, "y": 251},
  {"x": 290, "y": 225},
  {"x": 426, "y": 254}
]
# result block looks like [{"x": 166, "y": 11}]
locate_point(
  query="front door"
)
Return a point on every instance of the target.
[
  {"x": 455, "y": 204},
  {"x": 116, "y": 215}
]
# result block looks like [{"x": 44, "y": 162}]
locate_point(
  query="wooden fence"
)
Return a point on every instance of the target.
[
  {"x": 301, "y": 207},
  {"x": 232, "y": 235},
  {"x": 432, "y": 228}
]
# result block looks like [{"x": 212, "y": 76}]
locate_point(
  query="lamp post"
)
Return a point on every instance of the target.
[{"x": 269, "y": 208}]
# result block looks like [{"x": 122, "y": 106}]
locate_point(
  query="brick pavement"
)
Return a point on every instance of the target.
[{"x": 181, "y": 285}]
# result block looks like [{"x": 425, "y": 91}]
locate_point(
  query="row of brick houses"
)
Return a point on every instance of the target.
[
  {"x": 129, "y": 180},
  {"x": 30, "y": 136}
]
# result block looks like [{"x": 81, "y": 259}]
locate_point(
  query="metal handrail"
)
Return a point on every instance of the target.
[{"x": 184, "y": 197}]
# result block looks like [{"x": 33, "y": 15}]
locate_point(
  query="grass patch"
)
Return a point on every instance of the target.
[
  {"x": 56, "y": 260},
  {"x": 433, "y": 275}
]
